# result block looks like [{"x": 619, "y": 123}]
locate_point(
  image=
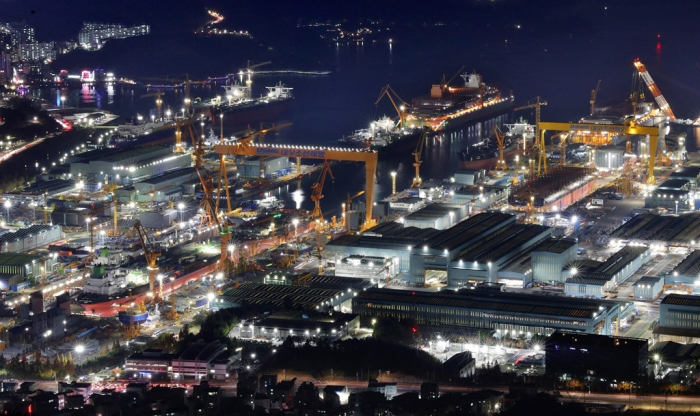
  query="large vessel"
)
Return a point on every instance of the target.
[
  {"x": 385, "y": 136},
  {"x": 239, "y": 106},
  {"x": 484, "y": 155},
  {"x": 448, "y": 107},
  {"x": 134, "y": 130}
]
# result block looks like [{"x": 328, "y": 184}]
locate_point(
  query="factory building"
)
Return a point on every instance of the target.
[
  {"x": 39, "y": 192},
  {"x": 25, "y": 266},
  {"x": 70, "y": 217},
  {"x": 682, "y": 230},
  {"x": 198, "y": 361},
  {"x": 570, "y": 354},
  {"x": 686, "y": 275},
  {"x": 269, "y": 167},
  {"x": 153, "y": 364},
  {"x": 29, "y": 238},
  {"x": 648, "y": 288},
  {"x": 480, "y": 197},
  {"x": 280, "y": 325},
  {"x": 169, "y": 186},
  {"x": 679, "y": 319},
  {"x": 592, "y": 278},
  {"x": 158, "y": 219},
  {"x": 438, "y": 216},
  {"x": 688, "y": 173},
  {"x": 672, "y": 194},
  {"x": 509, "y": 314},
  {"x": 367, "y": 267},
  {"x": 408, "y": 204},
  {"x": 550, "y": 257},
  {"x": 126, "y": 166},
  {"x": 470, "y": 176},
  {"x": 609, "y": 157}
]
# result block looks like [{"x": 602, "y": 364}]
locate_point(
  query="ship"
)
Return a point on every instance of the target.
[
  {"x": 385, "y": 136},
  {"x": 239, "y": 107},
  {"x": 132, "y": 131},
  {"x": 448, "y": 107},
  {"x": 484, "y": 155}
]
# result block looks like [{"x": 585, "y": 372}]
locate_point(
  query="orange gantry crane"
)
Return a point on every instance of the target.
[
  {"x": 594, "y": 97},
  {"x": 655, "y": 91},
  {"x": 500, "y": 139},
  {"x": 369, "y": 158},
  {"x": 317, "y": 190},
  {"x": 399, "y": 105},
  {"x": 151, "y": 254}
]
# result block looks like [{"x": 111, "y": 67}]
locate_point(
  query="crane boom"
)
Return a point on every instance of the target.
[
  {"x": 417, "y": 181},
  {"x": 394, "y": 98},
  {"x": 150, "y": 253},
  {"x": 655, "y": 91},
  {"x": 500, "y": 138},
  {"x": 594, "y": 96},
  {"x": 538, "y": 142},
  {"x": 317, "y": 190}
]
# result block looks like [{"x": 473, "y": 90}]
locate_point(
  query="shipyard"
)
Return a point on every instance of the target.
[{"x": 262, "y": 235}]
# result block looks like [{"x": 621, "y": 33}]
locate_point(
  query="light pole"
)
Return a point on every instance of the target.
[
  {"x": 8, "y": 205},
  {"x": 676, "y": 207},
  {"x": 231, "y": 250},
  {"x": 295, "y": 222},
  {"x": 180, "y": 207},
  {"x": 63, "y": 100},
  {"x": 393, "y": 183}
]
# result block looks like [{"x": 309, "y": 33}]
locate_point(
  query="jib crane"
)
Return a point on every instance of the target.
[
  {"x": 151, "y": 254},
  {"x": 500, "y": 139},
  {"x": 346, "y": 208},
  {"x": 594, "y": 96},
  {"x": 317, "y": 190},
  {"x": 369, "y": 158},
  {"x": 445, "y": 84},
  {"x": 417, "y": 181},
  {"x": 655, "y": 91},
  {"x": 159, "y": 102},
  {"x": 399, "y": 105},
  {"x": 538, "y": 142}
]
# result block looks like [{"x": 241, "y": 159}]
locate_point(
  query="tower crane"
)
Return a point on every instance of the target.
[
  {"x": 317, "y": 190},
  {"x": 538, "y": 142},
  {"x": 445, "y": 84},
  {"x": 159, "y": 102},
  {"x": 655, "y": 91},
  {"x": 250, "y": 65},
  {"x": 399, "y": 105},
  {"x": 151, "y": 254},
  {"x": 417, "y": 181},
  {"x": 500, "y": 138},
  {"x": 594, "y": 96},
  {"x": 346, "y": 208}
]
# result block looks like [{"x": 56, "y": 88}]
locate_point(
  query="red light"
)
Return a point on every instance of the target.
[
  {"x": 30, "y": 409},
  {"x": 413, "y": 293},
  {"x": 658, "y": 36},
  {"x": 414, "y": 330}
]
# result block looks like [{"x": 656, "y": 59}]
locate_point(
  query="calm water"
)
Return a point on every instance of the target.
[{"x": 558, "y": 54}]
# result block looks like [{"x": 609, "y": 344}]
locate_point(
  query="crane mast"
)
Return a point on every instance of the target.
[
  {"x": 594, "y": 96},
  {"x": 500, "y": 138},
  {"x": 151, "y": 255},
  {"x": 655, "y": 91},
  {"x": 417, "y": 154},
  {"x": 538, "y": 143},
  {"x": 399, "y": 105},
  {"x": 317, "y": 190}
]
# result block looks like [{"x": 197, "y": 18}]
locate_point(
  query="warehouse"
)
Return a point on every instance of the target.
[
  {"x": 470, "y": 176},
  {"x": 648, "y": 288},
  {"x": 682, "y": 230},
  {"x": 70, "y": 217},
  {"x": 609, "y": 157},
  {"x": 679, "y": 319},
  {"x": 367, "y": 267},
  {"x": 29, "y": 238},
  {"x": 482, "y": 260},
  {"x": 597, "y": 356},
  {"x": 39, "y": 191},
  {"x": 158, "y": 219},
  {"x": 297, "y": 297},
  {"x": 518, "y": 314},
  {"x": 269, "y": 167},
  {"x": 197, "y": 360},
  {"x": 550, "y": 257},
  {"x": 360, "y": 245},
  {"x": 437, "y": 216},
  {"x": 686, "y": 275},
  {"x": 166, "y": 187},
  {"x": 280, "y": 325},
  {"x": 672, "y": 194},
  {"x": 591, "y": 278},
  {"x": 688, "y": 173},
  {"x": 25, "y": 265},
  {"x": 128, "y": 165},
  {"x": 480, "y": 197}
]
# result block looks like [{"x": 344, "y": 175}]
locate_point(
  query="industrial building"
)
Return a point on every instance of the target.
[
  {"x": 648, "y": 287},
  {"x": 438, "y": 216},
  {"x": 70, "y": 217},
  {"x": 686, "y": 275},
  {"x": 126, "y": 166},
  {"x": 550, "y": 257},
  {"x": 480, "y": 198},
  {"x": 152, "y": 364},
  {"x": 268, "y": 167},
  {"x": 609, "y": 157},
  {"x": 593, "y": 278},
  {"x": 366, "y": 267},
  {"x": 158, "y": 219},
  {"x": 470, "y": 176},
  {"x": 24, "y": 265},
  {"x": 688, "y": 173},
  {"x": 169, "y": 186},
  {"x": 280, "y": 325},
  {"x": 29, "y": 238},
  {"x": 682, "y": 230},
  {"x": 679, "y": 319},
  {"x": 555, "y": 190},
  {"x": 38, "y": 192},
  {"x": 202, "y": 361},
  {"x": 569, "y": 354},
  {"x": 507, "y": 313},
  {"x": 672, "y": 194}
]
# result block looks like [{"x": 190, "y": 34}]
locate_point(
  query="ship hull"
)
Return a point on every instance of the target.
[
  {"x": 246, "y": 115},
  {"x": 486, "y": 164},
  {"x": 479, "y": 114}
]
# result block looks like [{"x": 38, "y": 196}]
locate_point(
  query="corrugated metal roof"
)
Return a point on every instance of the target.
[
  {"x": 24, "y": 232},
  {"x": 682, "y": 300}
]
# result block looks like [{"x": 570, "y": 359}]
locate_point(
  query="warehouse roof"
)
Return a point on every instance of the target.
[
  {"x": 510, "y": 303},
  {"x": 472, "y": 228},
  {"x": 306, "y": 320},
  {"x": 504, "y": 242},
  {"x": 619, "y": 260},
  {"x": 25, "y": 232},
  {"x": 597, "y": 340},
  {"x": 50, "y": 186},
  {"x": 647, "y": 280},
  {"x": 587, "y": 280},
  {"x": 682, "y": 300},
  {"x": 170, "y": 175},
  {"x": 554, "y": 245},
  {"x": 261, "y": 294},
  {"x": 132, "y": 152},
  {"x": 17, "y": 259},
  {"x": 677, "y": 184},
  {"x": 689, "y": 264}
]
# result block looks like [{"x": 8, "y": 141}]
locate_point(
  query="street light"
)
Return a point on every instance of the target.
[
  {"x": 676, "y": 207},
  {"x": 180, "y": 207},
  {"x": 393, "y": 183},
  {"x": 295, "y": 222},
  {"x": 8, "y": 205},
  {"x": 231, "y": 249}
]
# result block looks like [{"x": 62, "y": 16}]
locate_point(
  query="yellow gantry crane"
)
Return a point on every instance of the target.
[
  {"x": 538, "y": 143},
  {"x": 500, "y": 139},
  {"x": 151, "y": 254},
  {"x": 317, "y": 190},
  {"x": 417, "y": 154},
  {"x": 399, "y": 105}
]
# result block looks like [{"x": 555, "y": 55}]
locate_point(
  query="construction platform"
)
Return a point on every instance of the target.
[{"x": 554, "y": 190}]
